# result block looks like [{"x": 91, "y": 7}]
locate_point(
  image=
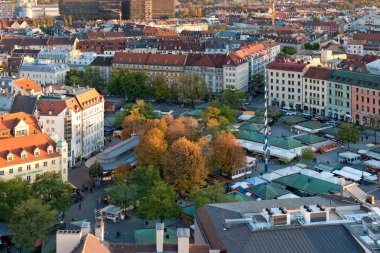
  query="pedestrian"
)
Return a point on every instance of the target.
[
  {"x": 80, "y": 205},
  {"x": 117, "y": 234},
  {"x": 91, "y": 189},
  {"x": 366, "y": 138}
]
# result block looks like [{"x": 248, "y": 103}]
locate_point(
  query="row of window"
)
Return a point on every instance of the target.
[
  {"x": 283, "y": 75},
  {"x": 11, "y": 171}
]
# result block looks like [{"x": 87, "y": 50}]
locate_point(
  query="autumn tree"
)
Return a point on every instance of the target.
[
  {"x": 213, "y": 120},
  {"x": 186, "y": 166},
  {"x": 122, "y": 172},
  {"x": 156, "y": 123},
  {"x": 192, "y": 87},
  {"x": 152, "y": 149},
  {"x": 226, "y": 153},
  {"x": 181, "y": 127},
  {"x": 131, "y": 124}
]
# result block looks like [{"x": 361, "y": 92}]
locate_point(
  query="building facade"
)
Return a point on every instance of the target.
[
  {"x": 339, "y": 95},
  {"x": 44, "y": 72},
  {"x": 26, "y": 152},
  {"x": 284, "y": 79},
  {"x": 76, "y": 114},
  {"x": 314, "y": 93},
  {"x": 7, "y": 9}
]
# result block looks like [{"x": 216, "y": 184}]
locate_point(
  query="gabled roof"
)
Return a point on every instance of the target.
[
  {"x": 317, "y": 73},
  {"x": 308, "y": 184},
  {"x": 208, "y": 60},
  {"x": 27, "y": 84},
  {"x": 9, "y": 121},
  {"x": 310, "y": 138},
  {"x": 286, "y": 65},
  {"x": 102, "y": 61},
  {"x": 267, "y": 191},
  {"x": 149, "y": 59}
]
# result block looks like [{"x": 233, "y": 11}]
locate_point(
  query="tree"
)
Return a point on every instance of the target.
[
  {"x": 214, "y": 120},
  {"x": 29, "y": 222},
  {"x": 145, "y": 178},
  {"x": 12, "y": 193},
  {"x": 126, "y": 82},
  {"x": 122, "y": 172},
  {"x": 159, "y": 203},
  {"x": 161, "y": 88},
  {"x": 152, "y": 149},
  {"x": 186, "y": 166},
  {"x": 349, "y": 133},
  {"x": 289, "y": 50},
  {"x": 74, "y": 77},
  {"x": 258, "y": 81},
  {"x": 281, "y": 55},
  {"x": 92, "y": 77},
  {"x": 226, "y": 153},
  {"x": 131, "y": 124},
  {"x": 308, "y": 155},
  {"x": 316, "y": 19},
  {"x": 53, "y": 191},
  {"x": 96, "y": 171},
  {"x": 316, "y": 46},
  {"x": 231, "y": 97},
  {"x": 181, "y": 127},
  {"x": 123, "y": 195},
  {"x": 192, "y": 87},
  {"x": 209, "y": 195},
  {"x": 140, "y": 108},
  {"x": 225, "y": 110}
]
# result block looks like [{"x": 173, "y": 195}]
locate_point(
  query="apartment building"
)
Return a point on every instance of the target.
[
  {"x": 235, "y": 72},
  {"x": 6, "y": 9},
  {"x": 26, "y": 152},
  {"x": 210, "y": 67},
  {"x": 58, "y": 56},
  {"x": 284, "y": 78},
  {"x": 339, "y": 95},
  {"x": 76, "y": 114},
  {"x": 168, "y": 65},
  {"x": 314, "y": 93},
  {"x": 44, "y": 72}
]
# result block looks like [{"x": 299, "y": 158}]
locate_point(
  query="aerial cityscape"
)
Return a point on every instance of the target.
[{"x": 185, "y": 126}]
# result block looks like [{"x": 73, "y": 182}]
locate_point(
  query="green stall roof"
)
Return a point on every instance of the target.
[
  {"x": 308, "y": 184},
  {"x": 310, "y": 138},
  {"x": 267, "y": 191}
]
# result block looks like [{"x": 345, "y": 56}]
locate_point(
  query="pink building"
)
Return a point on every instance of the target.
[{"x": 365, "y": 105}]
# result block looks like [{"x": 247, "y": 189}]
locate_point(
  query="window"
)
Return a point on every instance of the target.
[
  {"x": 10, "y": 171},
  {"x": 28, "y": 167},
  {"x": 1, "y": 173},
  {"x": 28, "y": 178},
  {"x": 23, "y": 155},
  {"x": 45, "y": 164},
  {"x": 19, "y": 169},
  {"x": 53, "y": 162},
  {"x": 37, "y": 165}
]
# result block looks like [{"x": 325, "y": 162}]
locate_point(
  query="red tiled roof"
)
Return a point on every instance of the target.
[
  {"x": 233, "y": 59},
  {"x": 27, "y": 84},
  {"x": 356, "y": 42},
  {"x": 16, "y": 145},
  {"x": 9, "y": 121},
  {"x": 287, "y": 65},
  {"x": 149, "y": 59},
  {"x": 317, "y": 73},
  {"x": 105, "y": 35},
  {"x": 370, "y": 37}
]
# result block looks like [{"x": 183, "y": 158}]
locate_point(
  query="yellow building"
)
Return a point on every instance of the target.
[{"x": 26, "y": 152}]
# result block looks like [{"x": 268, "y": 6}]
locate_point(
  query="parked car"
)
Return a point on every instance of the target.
[
  {"x": 332, "y": 123},
  {"x": 243, "y": 108},
  {"x": 291, "y": 113},
  {"x": 285, "y": 109},
  {"x": 307, "y": 114}
]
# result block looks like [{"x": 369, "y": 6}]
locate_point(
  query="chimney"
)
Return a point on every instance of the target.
[
  {"x": 160, "y": 237},
  {"x": 183, "y": 235},
  {"x": 99, "y": 229}
]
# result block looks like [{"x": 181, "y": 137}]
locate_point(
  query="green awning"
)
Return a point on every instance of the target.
[{"x": 267, "y": 191}]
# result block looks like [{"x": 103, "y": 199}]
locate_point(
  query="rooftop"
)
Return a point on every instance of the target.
[{"x": 287, "y": 65}]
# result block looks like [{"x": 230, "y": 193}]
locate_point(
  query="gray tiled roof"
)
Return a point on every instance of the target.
[
  {"x": 25, "y": 104},
  {"x": 239, "y": 238}
]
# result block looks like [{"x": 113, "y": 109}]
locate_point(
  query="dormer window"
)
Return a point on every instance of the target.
[
  {"x": 23, "y": 155},
  {"x": 10, "y": 157},
  {"x": 36, "y": 152},
  {"x": 50, "y": 150}
]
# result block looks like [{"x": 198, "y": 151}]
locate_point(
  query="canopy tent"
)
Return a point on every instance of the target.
[
  {"x": 111, "y": 209},
  {"x": 289, "y": 196},
  {"x": 348, "y": 175},
  {"x": 349, "y": 157},
  {"x": 367, "y": 176},
  {"x": 245, "y": 117},
  {"x": 255, "y": 181},
  {"x": 267, "y": 191},
  {"x": 373, "y": 163},
  {"x": 243, "y": 185}
]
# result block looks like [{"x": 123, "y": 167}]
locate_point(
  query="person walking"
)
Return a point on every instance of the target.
[{"x": 80, "y": 205}]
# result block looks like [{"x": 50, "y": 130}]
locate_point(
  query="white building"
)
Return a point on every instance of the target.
[
  {"x": 314, "y": 95},
  {"x": 58, "y": 56},
  {"x": 76, "y": 114},
  {"x": 44, "y": 72},
  {"x": 284, "y": 79},
  {"x": 235, "y": 72},
  {"x": 356, "y": 47}
]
